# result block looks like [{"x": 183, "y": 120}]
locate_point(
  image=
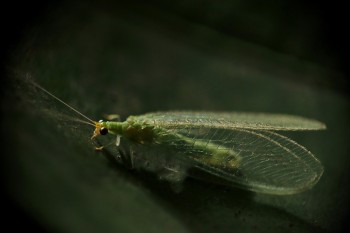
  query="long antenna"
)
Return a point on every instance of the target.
[{"x": 61, "y": 101}]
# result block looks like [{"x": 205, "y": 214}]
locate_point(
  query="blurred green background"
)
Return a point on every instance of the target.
[{"x": 132, "y": 58}]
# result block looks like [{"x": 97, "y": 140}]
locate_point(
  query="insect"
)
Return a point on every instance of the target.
[{"x": 244, "y": 149}]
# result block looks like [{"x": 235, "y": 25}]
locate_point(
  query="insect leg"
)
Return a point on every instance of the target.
[
  {"x": 126, "y": 158},
  {"x": 117, "y": 141}
]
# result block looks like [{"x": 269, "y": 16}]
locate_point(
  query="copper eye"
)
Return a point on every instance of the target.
[{"x": 103, "y": 131}]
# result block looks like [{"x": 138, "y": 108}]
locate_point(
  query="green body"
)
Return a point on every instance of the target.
[
  {"x": 244, "y": 149},
  {"x": 149, "y": 135}
]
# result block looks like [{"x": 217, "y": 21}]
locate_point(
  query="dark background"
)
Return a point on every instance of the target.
[
  {"x": 307, "y": 31},
  {"x": 322, "y": 38}
]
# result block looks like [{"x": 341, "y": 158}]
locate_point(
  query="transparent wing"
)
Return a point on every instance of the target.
[
  {"x": 230, "y": 120},
  {"x": 268, "y": 162}
]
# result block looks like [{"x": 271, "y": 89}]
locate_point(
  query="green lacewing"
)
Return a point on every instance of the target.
[{"x": 244, "y": 149}]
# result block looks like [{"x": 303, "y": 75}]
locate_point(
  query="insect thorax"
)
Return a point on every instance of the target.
[{"x": 141, "y": 133}]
